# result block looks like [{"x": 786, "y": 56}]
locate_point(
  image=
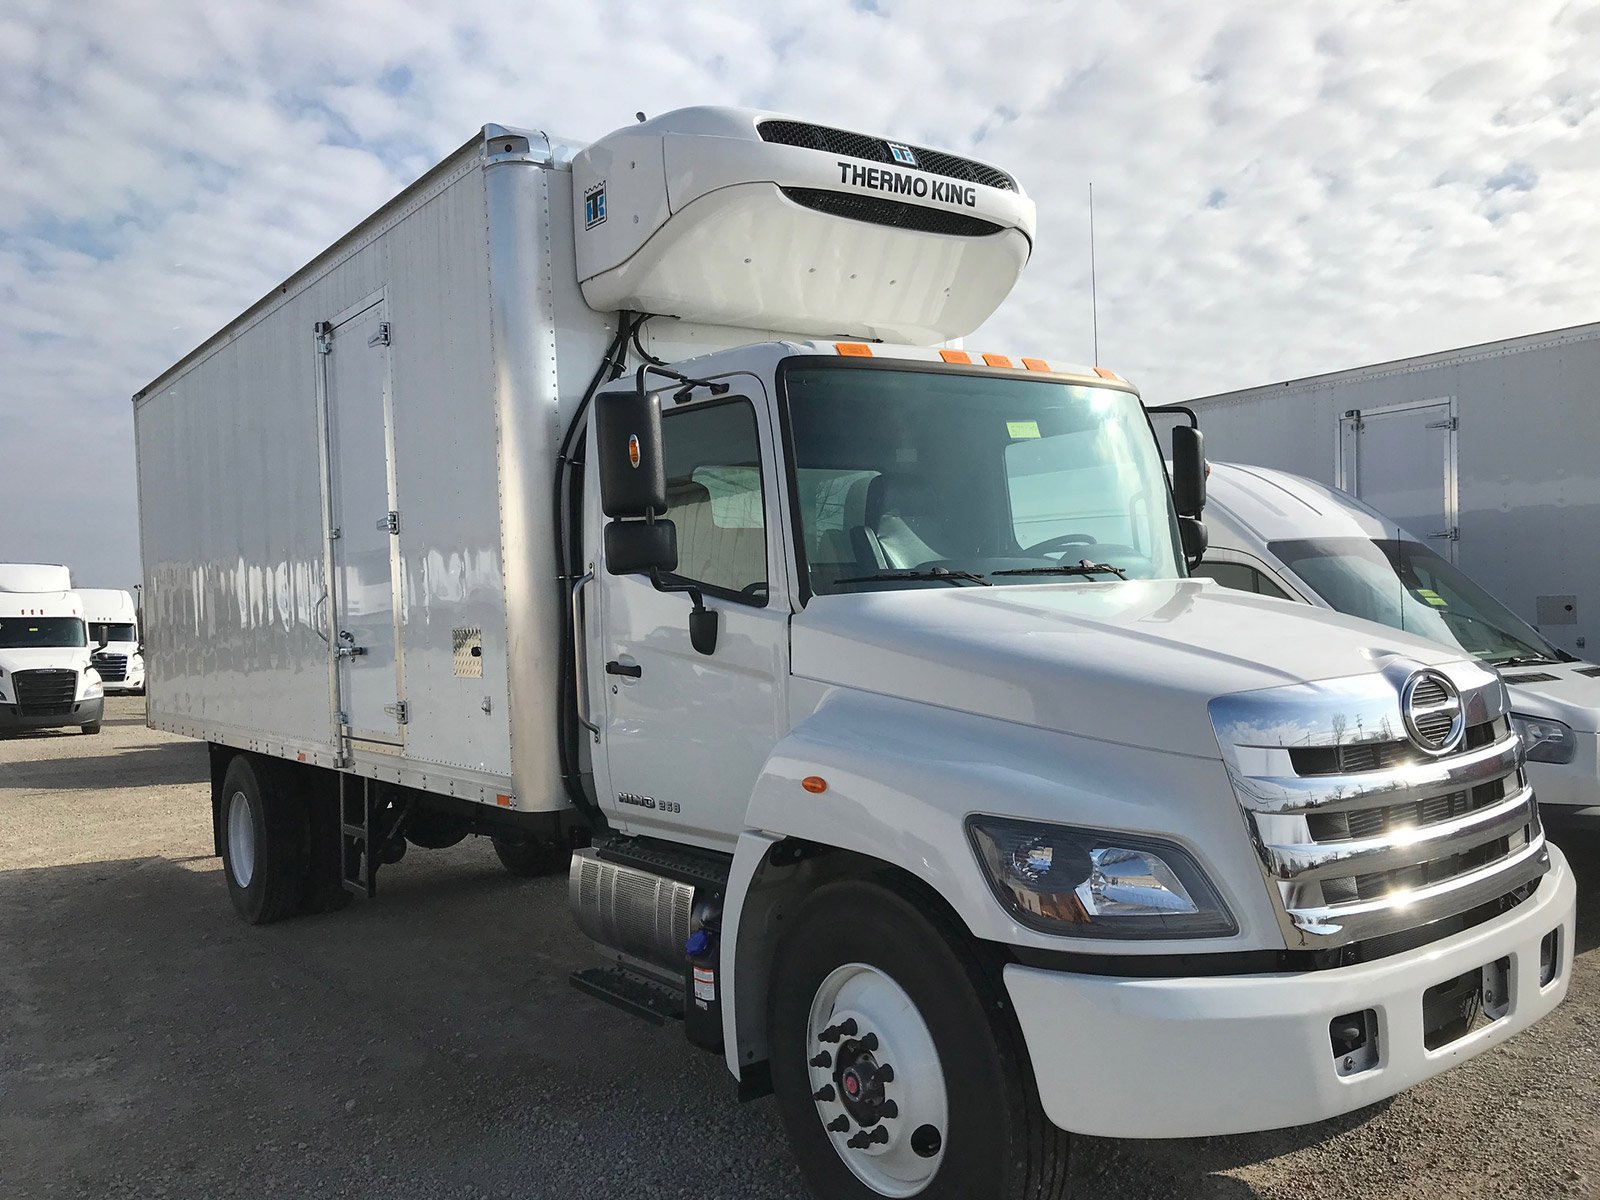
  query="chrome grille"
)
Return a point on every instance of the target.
[
  {"x": 1363, "y": 834},
  {"x": 44, "y": 693},
  {"x": 113, "y": 668}
]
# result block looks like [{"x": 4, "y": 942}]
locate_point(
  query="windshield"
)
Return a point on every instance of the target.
[
  {"x": 112, "y": 631},
  {"x": 1405, "y": 585},
  {"x": 16, "y": 632},
  {"x": 908, "y": 471}
]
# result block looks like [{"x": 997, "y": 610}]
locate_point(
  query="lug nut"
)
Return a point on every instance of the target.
[
  {"x": 867, "y": 1044},
  {"x": 839, "y": 1124},
  {"x": 889, "y": 1110},
  {"x": 825, "y": 1092},
  {"x": 845, "y": 1028},
  {"x": 884, "y": 1074},
  {"x": 868, "y": 1137},
  {"x": 822, "y": 1060}
]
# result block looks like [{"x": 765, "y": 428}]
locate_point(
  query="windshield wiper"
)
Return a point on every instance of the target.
[
  {"x": 932, "y": 574},
  {"x": 1525, "y": 660},
  {"x": 1080, "y": 568}
]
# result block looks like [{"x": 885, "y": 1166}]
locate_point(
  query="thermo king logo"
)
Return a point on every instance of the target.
[
  {"x": 902, "y": 154},
  {"x": 594, "y": 206}
]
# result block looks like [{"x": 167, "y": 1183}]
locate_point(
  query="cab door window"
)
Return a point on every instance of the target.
[
  {"x": 715, "y": 498},
  {"x": 1241, "y": 578}
]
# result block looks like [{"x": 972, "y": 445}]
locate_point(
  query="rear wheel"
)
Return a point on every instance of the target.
[
  {"x": 530, "y": 857},
  {"x": 898, "y": 1067},
  {"x": 265, "y": 844}
]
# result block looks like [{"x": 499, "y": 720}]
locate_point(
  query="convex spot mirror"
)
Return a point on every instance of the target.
[{"x": 641, "y": 547}]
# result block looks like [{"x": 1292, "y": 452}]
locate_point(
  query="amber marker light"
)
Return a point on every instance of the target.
[
  {"x": 853, "y": 349},
  {"x": 814, "y": 784},
  {"x": 1107, "y": 373},
  {"x": 1036, "y": 364},
  {"x": 956, "y": 356},
  {"x": 996, "y": 360}
]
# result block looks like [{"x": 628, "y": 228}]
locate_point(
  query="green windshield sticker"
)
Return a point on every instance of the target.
[
  {"x": 1428, "y": 596},
  {"x": 1022, "y": 429}
]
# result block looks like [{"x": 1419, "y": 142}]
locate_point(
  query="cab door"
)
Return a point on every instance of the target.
[{"x": 684, "y": 734}]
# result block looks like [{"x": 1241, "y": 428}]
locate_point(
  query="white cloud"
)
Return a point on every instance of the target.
[{"x": 1280, "y": 187}]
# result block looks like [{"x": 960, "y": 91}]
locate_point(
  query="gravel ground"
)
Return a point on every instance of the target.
[{"x": 427, "y": 1044}]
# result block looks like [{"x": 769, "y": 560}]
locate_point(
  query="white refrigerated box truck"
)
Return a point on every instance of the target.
[
  {"x": 114, "y": 633},
  {"x": 1487, "y": 453},
  {"x": 633, "y": 498}
]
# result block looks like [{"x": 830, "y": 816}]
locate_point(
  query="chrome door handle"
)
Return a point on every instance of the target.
[{"x": 580, "y": 674}]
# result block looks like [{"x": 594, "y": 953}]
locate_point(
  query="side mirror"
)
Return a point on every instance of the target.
[
  {"x": 1192, "y": 532},
  {"x": 1188, "y": 471},
  {"x": 633, "y": 467},
  {"x": 103, "y": 642},
  {"x": 641, "y": 547}
]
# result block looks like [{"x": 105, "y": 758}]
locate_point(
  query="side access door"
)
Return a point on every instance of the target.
[
  {"x": 1402, "y": 461},
  {"x": 364, "y": 527},
  {"x": 685, "y": 734}
]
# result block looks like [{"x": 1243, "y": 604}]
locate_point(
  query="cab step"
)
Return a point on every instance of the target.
[{"x": 644, "y": 998}]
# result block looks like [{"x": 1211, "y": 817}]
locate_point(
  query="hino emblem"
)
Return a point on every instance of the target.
[{"x": 1431, "y": 706}]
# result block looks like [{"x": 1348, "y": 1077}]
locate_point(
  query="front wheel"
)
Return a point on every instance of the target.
[
  {"x": 91, "y": 727},
  {"x": 898, "y": 1067},
  {"x": 530, "y": 857}
]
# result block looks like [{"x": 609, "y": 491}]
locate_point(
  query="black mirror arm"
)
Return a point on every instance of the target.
[
  {"x": 682, "y": 393},
  {"x": 702, "y": 620}
]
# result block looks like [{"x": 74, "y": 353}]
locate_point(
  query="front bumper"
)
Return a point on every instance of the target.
[
  {"x": 1194, "y": 1057},
  {"x": 84, "y": 712}
]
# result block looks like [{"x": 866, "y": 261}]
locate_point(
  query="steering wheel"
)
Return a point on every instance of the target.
[{"x": 1061, "y": 542}]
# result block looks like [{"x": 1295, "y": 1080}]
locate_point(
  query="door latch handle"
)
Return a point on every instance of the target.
[
  {"x": 349, "y": 651},
  {"x": 627, "y": 670}
]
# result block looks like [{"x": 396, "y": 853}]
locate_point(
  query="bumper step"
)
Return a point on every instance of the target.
[{"x": 644, "y": 998}]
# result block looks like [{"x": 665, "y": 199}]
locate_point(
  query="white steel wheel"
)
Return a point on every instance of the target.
[
  {"x": 241, "y": 839},
  {"x": 877, "y": 1080}
]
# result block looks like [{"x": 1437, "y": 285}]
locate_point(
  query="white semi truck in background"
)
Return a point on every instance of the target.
[
  {"x": 631, "y": 504},
  {"x": 114, "y": 633},
  {"x": 47, "y": 680},
  {"x": 1277, "y": 534}
]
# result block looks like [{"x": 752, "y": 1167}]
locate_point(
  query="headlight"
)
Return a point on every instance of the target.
[
  {"x": 1092, "y": 883},
  {"x": 91, "y": 685},
  {"x": 1544, "y": 739}
]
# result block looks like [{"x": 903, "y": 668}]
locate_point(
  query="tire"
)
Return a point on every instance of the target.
[
  {"x": 93, "y": 727},
  {"x": 529, "y": 857},
  {"x": 265, "y": 842},
  {"x": 858, "y": 952}
]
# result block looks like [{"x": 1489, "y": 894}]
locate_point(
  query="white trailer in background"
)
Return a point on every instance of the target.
[
  {"x": 1490, "y": 454},
  {"x": 634, "y": 495}
]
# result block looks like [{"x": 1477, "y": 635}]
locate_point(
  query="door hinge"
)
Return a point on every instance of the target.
[
  {"x": 381, "y": 338},
  {"x": 324, "y": 333},
  {"x": 389, "y": 522},
  {"x": 399, "y": 710},
  {"x": 1453, "y": 534},
  {"x": 1448, "y": 423}
]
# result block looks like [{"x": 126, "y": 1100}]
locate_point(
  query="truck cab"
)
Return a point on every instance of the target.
[
  {"x": 46, "y": 678},
  {"x": 114, "y": 634},
  {"x": 1278, "y": 534}
]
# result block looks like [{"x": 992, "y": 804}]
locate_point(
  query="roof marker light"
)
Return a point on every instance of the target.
[
  {"x": 997, "y": 360},
  {"x": 853, "y": 349},
  {"x": 1036, "y": 364},
  {"x": 1108, "y": 373},
  {"x": 956, "y": 356}
]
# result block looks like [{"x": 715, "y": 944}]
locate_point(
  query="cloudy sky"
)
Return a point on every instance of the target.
[{"x": 1281, "y": 188}]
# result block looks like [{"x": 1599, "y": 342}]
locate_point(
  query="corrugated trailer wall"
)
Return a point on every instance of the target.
[
  {"x": 231, "y": 493},
  {"x": 1527, "y": 459}
]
